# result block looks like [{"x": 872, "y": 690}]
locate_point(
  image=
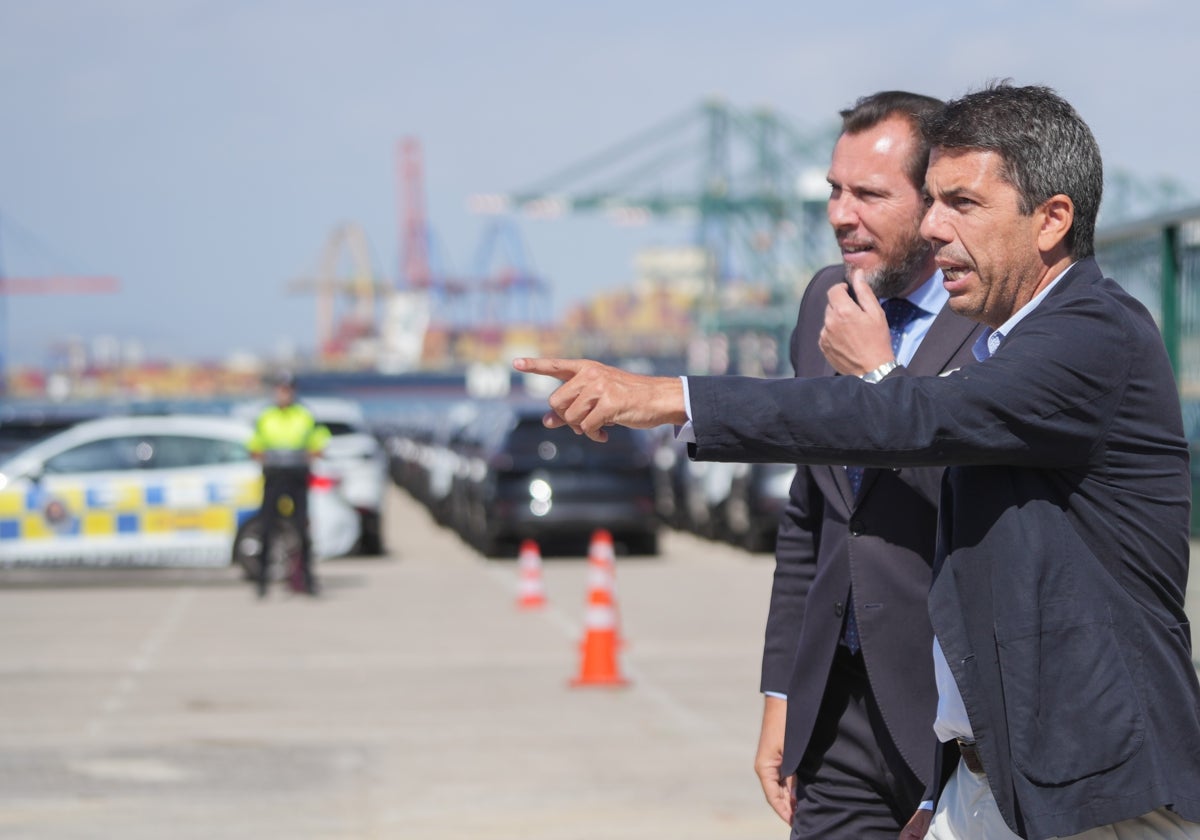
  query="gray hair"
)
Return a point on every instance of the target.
[{"x": 1046, "y": 148}]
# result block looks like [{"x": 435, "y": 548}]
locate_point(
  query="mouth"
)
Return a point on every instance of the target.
[
  {"x": 954, "y": 271},
  {"x": 955, "y": 274},
  {"x": 852, "y": 251}
]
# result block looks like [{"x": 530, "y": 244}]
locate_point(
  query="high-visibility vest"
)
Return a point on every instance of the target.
[{"x": 285, "y": 436}]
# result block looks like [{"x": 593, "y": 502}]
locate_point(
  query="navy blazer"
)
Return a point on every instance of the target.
[
  {"x": 1062, "y": 561},
  {"x": 883, "y": 540}
]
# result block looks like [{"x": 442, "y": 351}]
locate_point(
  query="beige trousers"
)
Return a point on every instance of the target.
[{"x": 966, "y": 810}]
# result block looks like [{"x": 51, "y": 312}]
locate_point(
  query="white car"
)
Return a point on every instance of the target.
[
  {"x": 148, "y": 491},
  {"x": 353, "y": 456}
]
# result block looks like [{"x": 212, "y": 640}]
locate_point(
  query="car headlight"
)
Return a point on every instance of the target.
[{"x": 540, "y": 490}]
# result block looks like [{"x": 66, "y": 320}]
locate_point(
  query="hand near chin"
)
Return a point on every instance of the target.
[{"x": 855, "y": 337}]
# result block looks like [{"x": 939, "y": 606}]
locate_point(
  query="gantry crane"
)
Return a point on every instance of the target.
[
  {"x": 345, "y": 270},
  {"x": 752, "y": 187},
  {"x": 742, "y": 176},
  {"x": 59, "y": 284}
]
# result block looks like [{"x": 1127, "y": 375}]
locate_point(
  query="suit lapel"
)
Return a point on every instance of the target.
[{"x": 948, "y": 336}]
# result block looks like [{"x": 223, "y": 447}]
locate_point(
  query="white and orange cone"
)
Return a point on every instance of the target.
[
  {"x": 602, "y": 571},
  {"x": 531, "y": 593},
  {"x": 600, "y": 643}
]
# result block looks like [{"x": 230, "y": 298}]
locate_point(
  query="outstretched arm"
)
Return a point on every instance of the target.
[{"x": 593, "y": 396}]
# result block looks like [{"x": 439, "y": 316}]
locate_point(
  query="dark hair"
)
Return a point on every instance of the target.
[
  {"x": 1046, "y": 148},
  {"x": 870, "y": 111}
]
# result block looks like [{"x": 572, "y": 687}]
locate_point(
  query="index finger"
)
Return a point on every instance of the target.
[
  {"x": 562, "y": 369},
  {"x": 864, "y": 295}
]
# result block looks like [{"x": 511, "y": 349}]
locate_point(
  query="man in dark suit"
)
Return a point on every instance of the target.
[
  {"x": 1068, "y": 703},
  {"x": 842, "y": 684}
]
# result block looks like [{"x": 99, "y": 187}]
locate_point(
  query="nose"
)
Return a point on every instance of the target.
[
  {"x": 933, "y": 226},
  {"x": 841, "y": 211}
]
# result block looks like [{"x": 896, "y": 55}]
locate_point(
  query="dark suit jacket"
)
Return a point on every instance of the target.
[
  {"x": 884, "y": 542},
  {"x": 1062, "y": 548}
]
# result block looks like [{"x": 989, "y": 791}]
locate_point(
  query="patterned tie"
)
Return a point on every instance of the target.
[{"x": 900, "y": 313}]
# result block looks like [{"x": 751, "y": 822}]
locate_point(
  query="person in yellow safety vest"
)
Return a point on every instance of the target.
[{"x": 285, "y": 441}]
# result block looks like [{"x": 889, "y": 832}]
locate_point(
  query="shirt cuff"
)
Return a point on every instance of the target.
[
  {"x": 927, "y": 805},
  {"x": 777, "y": 694},
  {"x": 686, "y": 433}
]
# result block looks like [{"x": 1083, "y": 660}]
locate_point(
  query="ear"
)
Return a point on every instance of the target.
[{"x": 1053, "y": 220}]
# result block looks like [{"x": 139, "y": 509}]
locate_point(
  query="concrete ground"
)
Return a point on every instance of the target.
[{"x": 413, "y": 700}]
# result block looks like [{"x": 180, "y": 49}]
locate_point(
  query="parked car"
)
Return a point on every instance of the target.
[
  {"x": 758, "y": 494},
  {"x": 353, "y": 456},
  {"x": 147, "y": 491},
  {"x": 521, "y": 480}
]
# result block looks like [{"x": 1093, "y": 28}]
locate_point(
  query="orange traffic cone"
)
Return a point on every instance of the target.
[
  {"x": 531, "y": 594},
  {"x": 599, "y": 648},
  {"x": 602, "y": 571}
]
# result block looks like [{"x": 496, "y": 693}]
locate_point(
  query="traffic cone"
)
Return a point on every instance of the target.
[
  {"x": 599, "y": 648},
  {"x": 531, "y": 594},
  {"x": 602, "y": 571}
]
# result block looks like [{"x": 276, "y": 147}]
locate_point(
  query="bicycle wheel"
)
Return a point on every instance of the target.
[{"x": 286, "y": 548}]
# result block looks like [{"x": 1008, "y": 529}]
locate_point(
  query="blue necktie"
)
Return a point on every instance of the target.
[{"x": 900, "y": 313}]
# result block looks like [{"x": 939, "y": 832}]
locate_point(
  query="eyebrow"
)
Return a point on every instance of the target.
[{"x": 953, "y": 192}]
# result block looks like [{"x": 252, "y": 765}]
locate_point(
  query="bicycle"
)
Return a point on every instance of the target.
[{"x": 286, "y": 563}]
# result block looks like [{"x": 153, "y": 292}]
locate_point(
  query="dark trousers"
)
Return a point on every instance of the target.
[
  {"x": 285, "y": 498},
  {"x": 852, "y": 783}
]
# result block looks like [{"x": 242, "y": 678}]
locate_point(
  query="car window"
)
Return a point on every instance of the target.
[
  {"x": 531, "y": 441},
  {"x": 116, "y": 453},
  {"x": 336, "y": 428},
  {"x": 162, "y": 452},
  {"x": 177, "y": 451}
]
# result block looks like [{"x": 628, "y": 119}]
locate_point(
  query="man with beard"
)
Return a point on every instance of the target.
[
  {"x": 1067, "y": 695},
  {"x": 848, "y": 682}
]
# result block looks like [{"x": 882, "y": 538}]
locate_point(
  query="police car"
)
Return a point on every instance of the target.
[{"x": 147, "y": 491}]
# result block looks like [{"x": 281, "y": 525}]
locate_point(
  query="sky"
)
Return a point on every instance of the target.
[{"x": 203, "y": 151}]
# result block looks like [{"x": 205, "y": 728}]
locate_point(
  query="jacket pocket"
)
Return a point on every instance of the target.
[{"x": 1070, "y": 701}]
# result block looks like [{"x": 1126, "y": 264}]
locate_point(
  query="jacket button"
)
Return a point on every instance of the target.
[
  {"x": 856, "y": 527},
  {"x": 838, "y": 608}
]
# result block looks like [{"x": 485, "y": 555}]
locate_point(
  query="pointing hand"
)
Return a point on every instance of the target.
[{"x": 593, "y": 395}]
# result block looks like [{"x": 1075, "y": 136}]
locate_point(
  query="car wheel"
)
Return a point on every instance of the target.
[
  {"x": 646, "y": 544},
  {"x": 491, "y": 547},
  {"x": 370, "y": 543}
]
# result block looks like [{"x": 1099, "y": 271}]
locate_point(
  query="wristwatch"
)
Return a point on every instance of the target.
[{"x": 880, "y": 372}]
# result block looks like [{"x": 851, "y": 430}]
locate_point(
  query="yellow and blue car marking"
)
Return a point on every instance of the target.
[{"x": 168, "y": 521}]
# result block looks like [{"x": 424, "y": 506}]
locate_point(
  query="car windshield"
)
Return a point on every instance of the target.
[{"x": 532, "y": 442}]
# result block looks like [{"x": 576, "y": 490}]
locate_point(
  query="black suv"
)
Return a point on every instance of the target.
[{"x": 521, "y": 480}]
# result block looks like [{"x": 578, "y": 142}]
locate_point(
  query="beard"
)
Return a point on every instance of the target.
[{"x": 897, "y": 277}]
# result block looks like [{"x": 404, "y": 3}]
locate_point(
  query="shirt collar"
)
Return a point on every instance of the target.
[
  {"x": 931, "y": 295},
  {"x": 988, "y": 343}
]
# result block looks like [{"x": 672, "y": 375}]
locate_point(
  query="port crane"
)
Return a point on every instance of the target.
[{"x": 50, "y": 284}]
